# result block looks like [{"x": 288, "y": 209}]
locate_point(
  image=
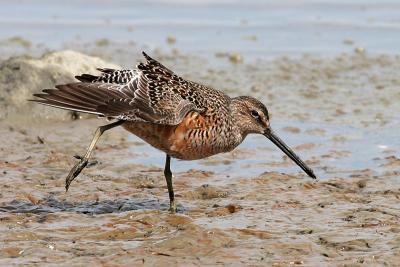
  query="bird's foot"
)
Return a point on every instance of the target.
[
  {"x": 75, "y": 171},
  {"x": 172, "y": 206}
]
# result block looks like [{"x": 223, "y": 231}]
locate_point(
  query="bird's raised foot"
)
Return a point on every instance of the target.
[{"x": 75, "y": 171}]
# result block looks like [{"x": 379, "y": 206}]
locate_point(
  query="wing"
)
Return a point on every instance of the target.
[
  {"x": 161, "y": 89},
  {"x": 151, "y": 93}
]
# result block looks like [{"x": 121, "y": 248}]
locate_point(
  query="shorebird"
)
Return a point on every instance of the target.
[{"x": 184, "y": 119}]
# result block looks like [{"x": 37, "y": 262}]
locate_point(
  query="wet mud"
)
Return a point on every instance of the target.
[{"x": 115, "y": 213}]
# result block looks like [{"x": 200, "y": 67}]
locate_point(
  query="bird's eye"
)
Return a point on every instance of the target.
[{"x": 255, "y": 114}]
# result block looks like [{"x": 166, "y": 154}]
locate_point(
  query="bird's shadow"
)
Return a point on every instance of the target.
[{"x": 52, "y": 205}]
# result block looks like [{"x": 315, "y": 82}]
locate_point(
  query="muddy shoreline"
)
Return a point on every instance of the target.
[
  {"x": 248, "y": 207},
  {"x": 116, "y": 213}
]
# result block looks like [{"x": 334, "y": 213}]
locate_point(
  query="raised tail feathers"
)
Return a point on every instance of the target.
[{"x": 82, "y": 97}]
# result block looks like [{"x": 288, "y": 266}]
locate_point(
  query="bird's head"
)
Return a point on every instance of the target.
[{"x": 251, "y": 116}]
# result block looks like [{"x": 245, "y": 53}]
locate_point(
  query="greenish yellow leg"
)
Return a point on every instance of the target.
[{"x": 76, "y": 170}]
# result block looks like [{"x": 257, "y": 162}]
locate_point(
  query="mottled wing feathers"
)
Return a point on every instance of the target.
[
  {"x": 151, "y": 93},
  {"x": 109, "y": 76},
  {"x": 154, "y": 64},
  {"x": 156, "y": 83}
]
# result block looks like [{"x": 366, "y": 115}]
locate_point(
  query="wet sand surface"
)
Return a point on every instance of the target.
[
  {"x": 337, "y": 107},
  {"x": 116, "y": 213}
]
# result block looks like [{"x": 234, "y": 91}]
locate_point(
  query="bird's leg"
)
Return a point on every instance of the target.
[
  {"x": 168, "y": 177},
  {"x": 74, "y": 172}
]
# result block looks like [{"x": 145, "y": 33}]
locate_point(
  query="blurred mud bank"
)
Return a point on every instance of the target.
[
  {"x": 358, "y": 88},
  {"x": 22, "y": 76}
]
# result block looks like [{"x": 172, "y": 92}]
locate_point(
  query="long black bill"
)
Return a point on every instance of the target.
[{"x": 278, "y": 142}]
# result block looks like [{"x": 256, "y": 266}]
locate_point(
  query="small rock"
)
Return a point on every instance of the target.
[
  {"x": 348, "y": 42},
  {"x": 171, "y": 40},
  {"x": 359, "y": 50},
  {"x": 235, "y": 58}
]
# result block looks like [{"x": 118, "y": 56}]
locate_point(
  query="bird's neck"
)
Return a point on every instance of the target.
[
  {"x": 239, "y": 118},
  {"x": 238, "y": 131},
  {"x": 237, "y": 136}
]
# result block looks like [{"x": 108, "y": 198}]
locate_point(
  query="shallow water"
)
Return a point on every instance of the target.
[
  {"x": 256, "y": 29},
  {"x": 351, "y": 149}
]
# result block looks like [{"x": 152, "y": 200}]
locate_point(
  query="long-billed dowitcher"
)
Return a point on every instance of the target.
[{"x": 184, "y": 119}]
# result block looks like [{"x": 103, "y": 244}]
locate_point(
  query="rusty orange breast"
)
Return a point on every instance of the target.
[{"x": 190, "y": 139}]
